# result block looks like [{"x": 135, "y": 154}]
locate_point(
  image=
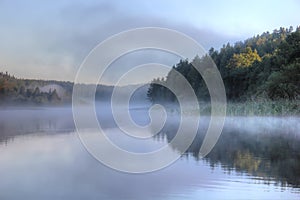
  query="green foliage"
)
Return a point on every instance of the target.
[
  {"x": 265, "y": 67},
  {"x": 284, "y": 84},
  {"x": 20, "y": 91},
  {"x": 30, "y": 92}
]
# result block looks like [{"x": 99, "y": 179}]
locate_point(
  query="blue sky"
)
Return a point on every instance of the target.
[{"x": 50, "y": 39}]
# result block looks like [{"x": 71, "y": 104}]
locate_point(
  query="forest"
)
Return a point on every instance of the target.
[
  {"x": 30, "y": 92},
  {"x": 24, "y": 91},
  {"x": 261, "y": 74},
  {"x": 18, "y": 91}
]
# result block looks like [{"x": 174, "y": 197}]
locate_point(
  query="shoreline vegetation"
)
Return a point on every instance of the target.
[
  {"x": 249, "y": 108},
  {"x": 264, "y": 108},
  {"x": 261, "y": 77}
]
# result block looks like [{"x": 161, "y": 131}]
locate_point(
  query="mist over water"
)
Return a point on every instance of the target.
[{"x": 42, "y": 157}]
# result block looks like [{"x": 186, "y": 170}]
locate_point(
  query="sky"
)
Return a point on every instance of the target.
[{"x": 50, "y": 39}]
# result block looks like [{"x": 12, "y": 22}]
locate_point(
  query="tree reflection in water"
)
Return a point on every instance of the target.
[{"x": 267, "y": 154}]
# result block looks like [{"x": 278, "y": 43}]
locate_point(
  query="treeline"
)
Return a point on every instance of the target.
[
  {"x": 16, "y": 91},
  {"x": 26, "y": 91},
  {"x": 265, "y": 67}
]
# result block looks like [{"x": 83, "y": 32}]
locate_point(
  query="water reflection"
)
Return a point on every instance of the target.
[
  {"x": 271, "y": 152},
  {"x": 22, "y": 121},
  {"x": 45, "y": 160}
]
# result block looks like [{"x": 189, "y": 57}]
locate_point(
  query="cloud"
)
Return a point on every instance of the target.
[{"x": 50, "y": 40}]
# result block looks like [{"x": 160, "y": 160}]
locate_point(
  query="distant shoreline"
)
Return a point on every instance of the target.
[{"x": 248, "y": 108}]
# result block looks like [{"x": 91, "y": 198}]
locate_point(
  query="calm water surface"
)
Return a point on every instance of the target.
[{"x": 41, "y": 157}]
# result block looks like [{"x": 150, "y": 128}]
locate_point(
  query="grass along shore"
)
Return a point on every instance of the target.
[{"x": 249, "y": 108}]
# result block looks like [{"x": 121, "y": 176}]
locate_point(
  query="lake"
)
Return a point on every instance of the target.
[{"x": 42, "y": 157}]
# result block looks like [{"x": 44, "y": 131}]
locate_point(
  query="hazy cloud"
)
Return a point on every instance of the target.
[{"x": 50, "y": 39}]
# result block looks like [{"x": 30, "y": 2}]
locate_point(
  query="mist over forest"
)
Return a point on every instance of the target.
[
  {"x": 24, "y": 92},
  {"x": 261, "y": 76}
]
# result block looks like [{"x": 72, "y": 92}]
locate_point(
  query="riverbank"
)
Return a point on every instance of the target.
[{"x": 250, "y": 108}]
